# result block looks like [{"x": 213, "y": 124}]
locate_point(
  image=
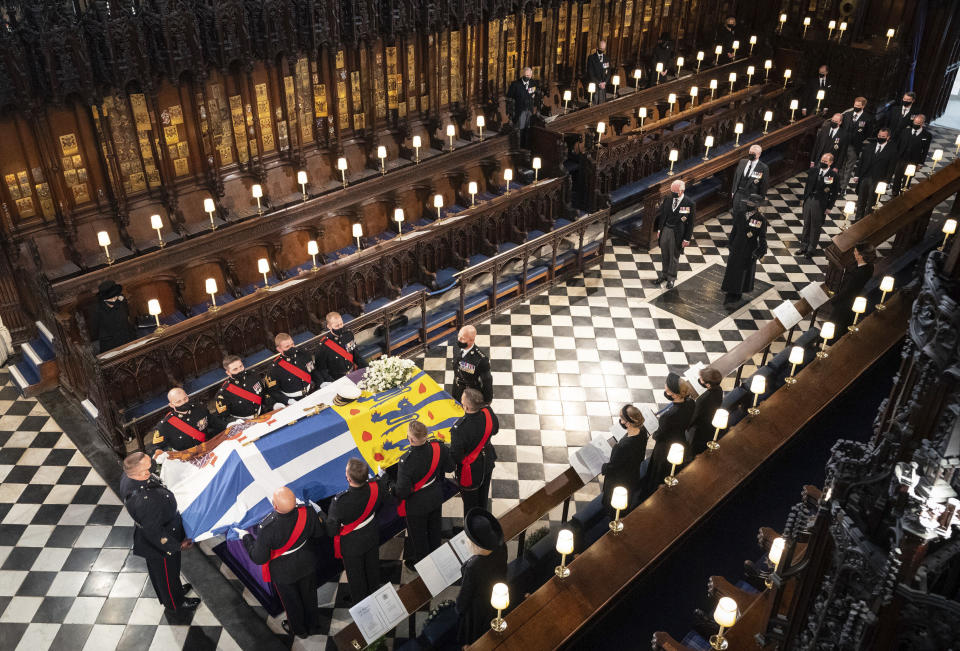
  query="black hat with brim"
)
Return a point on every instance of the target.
[
  {"x": 109, "y": 289},
  {"x": 483, "y": 529}
]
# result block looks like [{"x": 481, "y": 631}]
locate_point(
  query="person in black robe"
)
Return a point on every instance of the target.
[
  {"x": 623, "y": 469},
  {"x": 112, "y": 318},
  {"x": 672, "y": 428},
  {"x": 701, "y": 429},
  {"x": 851, "y": 286},
  {"x": 487, "y": 567},
  {"x": 749, "y": 244}
]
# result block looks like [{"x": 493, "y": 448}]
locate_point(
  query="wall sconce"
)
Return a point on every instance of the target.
[
  {"x": 738, "y": 130},
  {"x": 783, "y": 20},
  {"x": 481, "y": 123},
  {"x": 302, "y": 182},
  {"x": 708, "y": 143},
  {"x": 886, "y": 286},
  {"x": 750, "y": 72},
  {"x": 890, "y": 33},
  {"x": 564, "y": 547},
  {"x": 717, "y": 51},
  {"x": 694, "y": 91},
  {"x": 820, "y": 95},
  {"x": 642, "y": 114},
  {"x": 659, "y": 70},
  {"x": 721, "y": 417},
  {"x": 567, "y": 96},
  {"x": 753, "y": 42},
  {"x": 357, "y": 234},
  {"x": 832, "y": 25},
  {"x": 536, "y": 163},
  {"x": 636, "y": 78},
  {"x": 758, "y": 386},
  {"x": 508, "y": 176},
  {"x": 257, "y": 191},
  {"x": 859, "y": 307},
  {"x": 881, "y": 189},
  {"x": 674, "y": 458},
  {"x": 796, "y": 357},
  {"x": 673, "y": 157},
  {"x": 937, "y": 157},
  {"x": 725, "y": 616},
  {"x": 733, "y": 80},
  {"x": 499, "y": 599},
  {"x": 843, "y": 28},
  {"x": 767, "y": 118},
  {"x": 735, "y": 46},
  {"x": 312, "y": 251},
  {"x": 615, "y": 80},
  {"x": 680, "y": 62},
  {"x": 601, "y": 129},
  {"x": 767, "y": 65},
  {"x": 806, "y": 24},
  {"x": 103, "y": 239},
  {"x": 211, "y": 287},
  {"x": 786, "y": 76},
  {"x": 699, "y": 60},
  {"x": 671, "y": 100},
  {"x": 209, "y": 207},
  {"x": 263, "y": 266},
  {"x": 416, "y": 149},
  {"x": 156, "y": 223},
  {"x": 618, "y": 500},
  {"x": 153, "y": 307},
  {"x": 827, "y": 332},
  {"x": 794, "y": 105}
]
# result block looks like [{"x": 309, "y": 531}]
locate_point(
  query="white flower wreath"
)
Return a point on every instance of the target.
[{"x": 387, "y": 373}]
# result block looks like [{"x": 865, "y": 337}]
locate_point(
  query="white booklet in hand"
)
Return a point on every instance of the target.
[
  {"x": 814, "y": 295},
  {"x": 462, "y": 547},
  {"x": 649, "y": 419},
  {"x": 379, "y": 613},
  {"x": 589, "y": 460},
  {"x": 692, "y": 375},
  {"x": 440, "y": 569}
]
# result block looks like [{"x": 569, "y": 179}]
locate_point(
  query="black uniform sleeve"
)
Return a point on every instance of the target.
[
  {"x": 486, "y": 379},
  {"x": 446, "y": 460},
  {"x": 320, "y": 371},
  {"x": 357, "y": 357},
  {"x": 401, "y": 489},
  {"x": 258, "y": 548},
  {"x": 271, "y": 385},
  {"x": 458, "y": 448},
  {"x": 764, "y": 181},
  {"x": 163, "y": 529},
  {"x": 467, "y": 588},
  {"x": 616, "y": 459},
  {"x": 332, "y": 523}
]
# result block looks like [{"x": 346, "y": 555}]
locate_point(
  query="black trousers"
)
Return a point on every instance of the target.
[
  {"x": 866, "y": 196},
  {"x": 424, "y": 533},
  {"x": 299, "y": 599},
  {"x": 478, "y": 496},
  {"x": 164, "y": 573},
  {"x": 363, "y": 573}
]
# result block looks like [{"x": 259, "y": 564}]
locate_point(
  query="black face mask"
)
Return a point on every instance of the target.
[
  {"x": 527, "y": 78},
  {"x": 823, "y": 75},
  {"x": 881, "y": 140},
  {"x": 731, "y": 27},
  {"x": 623, "y": 424},
  {"x": 675, "y": 195},
  {"x": 907, "y": 104},
  {"x": 752, "y": 156},
  {"x": 336, "y": 331},
  {"x": 824, "y": 166},
  {"x": 668, "y": 396},
  {"x": 462, "y": 345}
]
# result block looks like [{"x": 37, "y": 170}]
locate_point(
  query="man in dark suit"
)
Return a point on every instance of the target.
[
  {"x": 900, "y": 116},
  {"x": 819, "y": 195},
  {"x": 598, "y": 71},
  {"x": 674, "y": 227},
  {"x": 524, "y": 93},
  {"x": 356, "y": 536},
  {"x": 831, "y": 138},
  {"x": 876, "y": 163},
  {"x": 912, "y": 147},
  {"x": 858, "y": 125},
  {"x": 471, "y": 446},
  {"x": 851, "y": 286},
  {"x": 471, "y": 368},
  {"x": 751, "y": 177},
  {"x": 823, "y": 82}
]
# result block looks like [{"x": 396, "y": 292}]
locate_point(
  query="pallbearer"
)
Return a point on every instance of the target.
[
  {"x": 241, "y": 394},
  {"x": 356, "y": 537},
  {"x": 471, "y": 446},
  {"x": 471, "y": 368},
  {"x": 187, "y": 424},
  {"x": 338, "y": 354},
  {"x": 289, "y": 377}
]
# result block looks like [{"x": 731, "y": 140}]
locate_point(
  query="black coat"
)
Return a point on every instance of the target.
[
  {"x": 701, "y": 430},
  {"x": 113, "y": 324},
  {"x": 749, "y": 244},
  {"x": 914, "y": 148},
  {"x": 827, "y": 144},
  {"x": 465, "y": 436},
  {"x": 822, "y": 188},
  {"x": 726, "y": 37},
  {"x": 623, "y": 469},
  {"x": 810, "y": 89},
  {"x": 472, "y": 370},
  {"x": 167, "y": 435},
  {"x": 474, "y": 611},
  {"x": 680, "y": 220},
  {"x": 273, "y": 532},
  {"x": 757, "y": 183},
  {"x": 858, "y": 129},
  {"x": 524, "y": 96},
  {"x": 345, "y": 509},
  {"x": 153, "y": 507},
  {"x": 330, "y": 365},
  {"x": 896, "y": 121},
  {"x": 280, "y": 381},
  {"x": 673, "y": 424},
  {"x": 598, "y": 67},
  {"x": 873, "y": 166},
  {"x": 414, "y": 466},
  {"x": 230, "y": 405},
  {"x": 851, "y": 286}
]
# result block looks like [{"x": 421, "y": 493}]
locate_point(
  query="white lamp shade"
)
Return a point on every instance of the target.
[
  {"x": 103, "y": 238},
  {"x": 601, "y": 127},
  {"x": 565, "y": 541},
  {"x": 787, "y": 73},
  {"x": 860, "y": 305},
  {"x": 832, "y": 24},
  {"x": 768, "y": 64},
  {"x": 733, "y": 77},
  {"x": 843, "y": 26},
  {"x": 794, "y": 105},
  {"x": 736, "y": 45},
  {"x": 680, "y": 62},
  {"x": 957, "y": 141},
  {"x": 694, "y": 91},
  {"x": 567, "y": 96},
  {"x": 700, "y": 55},
  {"x": 713, "y": 84},
  {"x": 750, "y": 70},
  {"x": 256, "y": 190},
  {"x": 451, "y": 130},
  {"x": 381, "y": 152},
  {"x": 312, "y": 248},
  {"x": 768, "y": 116},
  {"x": 618, "y": 499},
  {"x": 776, "y": 550},
  {"x": 659, "y": 66},
  {"x": 342, "y": 164},
  {"x": 591, "y": 87},
  {"x": 398, "y": 215},
  {"x": 849, "y": 208},
  {"x": 615, "y": 80},
  {"x": 438, "y": 201},
  {"x": 783, "y": 19},
  {"x": 910, "y": 170},
  {"x": 301, "y": 177},
  {"x": 674, "y": 155},
  {"x": 481, "y": 121},
  {"x": 938, "y": 155},
  {"x": 806, "y": 21},
  {"x": 758, "y": 384},
  {"x": 828, "y": 330},
  {"x": 726, "y": 612},
  {"x": 881, "y": 187},
  {"x": 718, "y": 50},
  {"x": 890, "y": 33},
  {"x": 500, "y": 597},
  {"x": 672, "y": 98},
  {"x": 636, "y": 73},
  {"x": 153, "y": 307},
  {"x": 753, "y": 40},
  {"x": 508, "y": 174},
  {"x": 708, "y": 141},
  {"x": 208, "y": 205},
  {"x": 642, "y": 112},
  {"x": 675, "y": 455},
  {"x": 263, "y": 266},
  {"x": 821, "y": 94},
  {"x": 796, "y": 355},
  {"x": 358, "y": 230},
  {"x": 738, "y": 127},
  {"x": 950, "y": 226},
  {"x": 211, "y": 285},
  {"x": 472, "y": 187},
  {"x": 156, "y": 222},
  {"x": 886, "y": 284},
  {"x": 720, "y": 418},
  {"x": 536, "y": 163},
  {"x": 416, "y": 142}
]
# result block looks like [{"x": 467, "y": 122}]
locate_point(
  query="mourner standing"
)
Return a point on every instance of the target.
[
  {"x": 859, "y": 125},
  {"x": 471, "y": 368},
  {"x": 158, "y": 536},
  {"x": 187, "y": 424},
  {"x": 674, "y": 227},
  {"x": 356, "y": 536},
  {"x": 338, "y": 354},
  {"x": 671, "y": 428},
  {"x": 752, "y": 176},
  {"x": 900, "y": 116},
  {"x": 831, "y": 139},
  {"x": 471, "y": 447},
  {"x": 524, "y": 93},
  {"x": 623, "y": 469},
  {"x": 112, "y": 317},
  {"x": 241, "y": 394},
  {"x": 726, "y": 37},
  {"x": 598, "y": 72},
  {"x": 851, "y": 285},
  {"x": 823, "y": 82},
  {"x": 701, "y": 429},
  {"x": 749, "y": 244},
  {"x": 480, "y": 573},
  {"x": 876, "y": 163},
  {"x": 284, "y": 547},
  {"x": 912, "y": 148},
  {"x": 819, "y": 195},
  {"x": 290, "y": 376}
]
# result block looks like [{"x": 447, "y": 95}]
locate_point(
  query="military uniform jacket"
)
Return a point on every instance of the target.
[
  {"x": 273, "y": 532},
  {"x": 182, "y": 430},
  {"x": 330, "y": 365},
  {"x": 524, "y": 95},
  {"x": 472, "y": 370},
  {"x": 345, "y": 509},
  {"x": 679, "y": 219},
  {"x": 914, "y": 144},
  {"x": 822, "y": 187},
  {"x": 282, "y": 380},
  {"x": 858, "y": 127},
  {"x": 234, "y": 403},
  {"x": 413, "y": 467},
  {"x": 598, "y": 67},
  {"x": 465, "y": 437},
  {"x": 756, "y": 183},
  {"x": 159, "y": 530}
]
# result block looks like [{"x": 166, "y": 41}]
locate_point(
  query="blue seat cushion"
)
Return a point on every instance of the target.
[
  {"x": 472, "y": 302},
  {"x": 536, "y": 271},
  {"x": 375, "y": 303},
  {"x": 532, "y": 235},
  {"x": 341, "y": 253},
  {"x": 208, "y": 379},
  {"x": 368, "y": 351},
  {"x": 591, "y": 248},
  {"x": 566, "y": 258},
  {"x": 682, "y": 124},
  {"x": 146, "y": 407},
  {"x": 412, "y": 288},
  {"x": 301, "y": 337},
  {"x": 200, "y": 308},
  {"x": 258, "y": 357},
  {"x": 404, "y": 335},
  {"x": 560, "y": 222},
  {"x": 436, "y": 318},
  {"x": 476, "y": 258},
  {"x": 507, "y": 285},
  {"x": 506, "y": 246},
  {"x": 445, "y": 277}
]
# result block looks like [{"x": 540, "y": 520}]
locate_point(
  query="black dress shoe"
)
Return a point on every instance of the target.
[
  {"x": 188, "y": 603},
  {"x": 410, "y": 565},
  {"x": 187, "y": 588},
  {"x": 658, "y": 280},
  {"x": 669, "y": 284}
]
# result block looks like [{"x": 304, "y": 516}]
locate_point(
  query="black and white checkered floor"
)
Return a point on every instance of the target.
[{"x": 563, "y": 364}]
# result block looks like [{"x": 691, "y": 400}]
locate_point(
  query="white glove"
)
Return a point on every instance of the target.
[
  {"x": 291, "y": 401},
  {"x": 239, "y": 421},
  {"x": 278, "y": 405},
  {"x": 241, "y": 532},
  {"x": 323, "y": 384}
]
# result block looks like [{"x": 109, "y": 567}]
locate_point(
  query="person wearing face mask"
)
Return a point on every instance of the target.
[
  {"x": 472, "y": 449},
  {"x": 674, "y": 227},
  {"x": 598, "y": 71},
  {"x": 912, "y": 147},
  {"x": 748, "y": 246},
  {"x": 900, "y": 116},
  {"x": 701, "y": 429},
  {"x": 752, "y": 176},
  {"x": 289, "y": 377},
  {"x": 159, "y": 536},
  {"x": 851, "y": 285},
  {"x": 186, "y": 425},
  {"x": 671, "y": 428},
  {"x": 471, "y": 368},
  {"x": 111, "y": 321},
  {"x": 876, "y": 163},
  {"x": 623, "y": 469},
  {"x": 241, "y": 395},
  {"x": 832, "y": 138},
  {"x": 664, "y": 53},
  {"x": 524, "y": 92},
  {"x": 819, "y": 195},
  {"x": 858, "y": 124},
  {"x": 338, "y": 354},
  {"x": 727, "y": 36},
  {"x": 823, "y": 82}
]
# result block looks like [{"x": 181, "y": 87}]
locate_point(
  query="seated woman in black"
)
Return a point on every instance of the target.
[
  {"x": 672, "y": 429},
  {"x": 623, "y": 469}
]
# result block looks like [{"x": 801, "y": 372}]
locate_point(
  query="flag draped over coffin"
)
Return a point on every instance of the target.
[{"x": 232, "y": 485}]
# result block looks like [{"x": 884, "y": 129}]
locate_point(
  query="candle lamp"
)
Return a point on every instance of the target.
[
  {"x": 890, "y": 33},
  {"x": 211, "y": 287},
  {"x": 717, "y": 51},
  {"x": 767, "y": 66},
  {"x": 673, "y": 157},
  {"x": 827, "y": 332},
  {"x": 782, "y": 21},
  {"x": 601, "y": 129},
  {"x": 263, "y": 266},
  {"x": 671, "y": 100},
  {"x": 721, "y": 417},
  {"x": 642, "y": 114},
  {"x": 615, "y": 80},
  {"x": 536, "y": 164},
  {"x": 949, "y": 228},
  {"x": 881, "y": 189},
  {"x": 481, "y": 123},
  {"x": 342, "y": 166},
  {"x": 708, "y": 143},
  {"x": 499, "y": 599},
  {"x": 806, "y": 24},
  {"x": 472, "y": 189},
  {"x": 103, "y": 239},
  {"x": 564, "y": 547},
  {"x": 725, "y": 616},
  {"x": 417, "y": 143},
  {"x": 302, "y": 180},
  {"x": 735, "y": 46},
  {"x": 886, "y": 286},
  {"x": 508, "y": 176},
  {"x": 738, "y": 130},
  {"x": 636, "y": 79},
  {"x": 909, "y": 172},
  {"x": 859, "y": 307},
  {"x": 567, "y": 95},
  {"x": 680, "y": 62},
  {"x": 794, "y": 105},
  {"x": 694, "y": 91},
  {"x": 451, "y": 132},
  {"x": 787, "y": 73},
  {"x": 382, "y": 155},
  {"x": 843, "y": 28},
  {"x": 257, "y": 191},
  {"x": 775, "y": 554},
  {"x": 767, "y": 118},
  {"x": 153, "y": 307},
  {"x": 209, "y": 207},
  {"x": 733, "y": 80},
  {"x": 618, "y": 500},
  {"x": 758, "y": 386},
  {"x": 750, "y": 72},
  {"x": 820, "y": 95},
  {"x": 659, "y": 70},
  {"x": 832, "y": 25},
  {"x": 753, "y": 42},
  {"x": 699, "y": 60},
  {"x": 312, "y": 250},
  {"x": 937, "y": 157},
  {"x": 849, "y": 209},
  {"x": 357, "y": 234},
  {"x": 674, "y": 458},
  {"x": 438, "y": 204},
  {"x": 398, "y": 217},
  {"x": 156, "y": 223},
  {"x": 591, "y": 89},
  {"x": 713, "y": 88},
  {"x": 796, "y": 357}
]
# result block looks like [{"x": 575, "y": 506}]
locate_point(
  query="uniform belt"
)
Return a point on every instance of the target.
[
  {"x": 428, "y": 483},
  {"x": 295, "y": 394},
  {"x": 297, "y": 548},
  {"x": 365, "y": 522}
]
